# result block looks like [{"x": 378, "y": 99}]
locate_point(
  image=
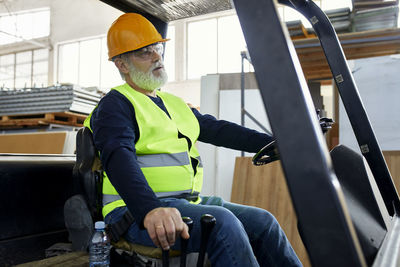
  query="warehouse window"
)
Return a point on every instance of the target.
[
  {"x": 214, "y": 46},
  {"x": 230, "y": 43},
  {"x": 109, "y": 75},
  {"x": 24, "y": 69},
  {"x": 68, "y": 63},
  {"x": 7, "y": 67},
  {"x": 86, "y": 64},
  {"x": 89, "y": 62},
  {"x": 40, "y": 67},
  {"x": 24, "y": 25},
  {"x": 202, "y": 48}
]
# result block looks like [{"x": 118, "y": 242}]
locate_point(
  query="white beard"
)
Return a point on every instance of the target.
[{"x": 146, "y": 80}]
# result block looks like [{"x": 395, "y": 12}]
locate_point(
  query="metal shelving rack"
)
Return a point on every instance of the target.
[{"x": 243, "y": 112}]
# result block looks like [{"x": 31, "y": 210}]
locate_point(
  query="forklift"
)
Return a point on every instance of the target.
[{"x": 345, "y": 201}]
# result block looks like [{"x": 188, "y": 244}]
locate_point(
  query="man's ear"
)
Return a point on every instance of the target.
[{"x": 122, "y": 65}]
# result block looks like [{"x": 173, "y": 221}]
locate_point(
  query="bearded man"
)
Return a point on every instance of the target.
[{"x": 147, "y": 144}]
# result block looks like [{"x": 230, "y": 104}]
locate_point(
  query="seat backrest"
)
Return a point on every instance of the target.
[
  {"x": 356, "y": 182},
  {"x": 88, "y": 171}
]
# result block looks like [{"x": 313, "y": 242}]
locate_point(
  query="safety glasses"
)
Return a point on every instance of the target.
[{"x": 147, "y": 51}]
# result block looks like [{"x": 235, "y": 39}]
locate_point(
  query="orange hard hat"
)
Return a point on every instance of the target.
[{"x": 129, "y": 32}]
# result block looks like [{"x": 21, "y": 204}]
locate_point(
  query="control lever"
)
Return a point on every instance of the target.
[
  {"x": 184, "y": 242},
  {"x": 207, "y": 222},
  {"x": 165, "y": 257}
]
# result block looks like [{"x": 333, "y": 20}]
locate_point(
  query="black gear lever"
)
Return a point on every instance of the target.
[
  {"x": 207, "y": 224},
  {"x": 165, "y": 258},
  {"x": 184, "y": 242}
]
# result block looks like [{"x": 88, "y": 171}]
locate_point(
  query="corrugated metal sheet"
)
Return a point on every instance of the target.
[
  {"x": 369, "y": 4},
  {"x": 366, "y": 14},
  {"x": 45, "y": 100},
  {"x": 340, "y": 19},
  {"x": 169, "y": 10},
  {"x": 376, "y": 18}
]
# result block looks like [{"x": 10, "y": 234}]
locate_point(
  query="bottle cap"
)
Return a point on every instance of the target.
[{"x": 99, "y": 225}]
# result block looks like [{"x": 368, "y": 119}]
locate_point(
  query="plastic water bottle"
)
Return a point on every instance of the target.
[{"x": 99, "y": 248}]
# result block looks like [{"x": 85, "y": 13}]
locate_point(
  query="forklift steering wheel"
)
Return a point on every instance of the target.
[{"x": 267, "y": 154}]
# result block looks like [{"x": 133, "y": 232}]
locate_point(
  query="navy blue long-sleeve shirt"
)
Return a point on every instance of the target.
[{"x": 115, "y": 132}]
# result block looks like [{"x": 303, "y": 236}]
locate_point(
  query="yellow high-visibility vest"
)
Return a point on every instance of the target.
[{"x": 165, "y": 159}]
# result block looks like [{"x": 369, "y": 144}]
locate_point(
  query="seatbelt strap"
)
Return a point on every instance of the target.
[{"x": 118, "y": 229}]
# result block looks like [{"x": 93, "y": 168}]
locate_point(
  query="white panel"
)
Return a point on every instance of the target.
[
  {"x": 378, "y": 82},
  {"x": 70, "y": 143},
  {"x": 209, "y": 103}
]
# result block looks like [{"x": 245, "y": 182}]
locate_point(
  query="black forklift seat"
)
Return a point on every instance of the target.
[{"x": 88, "y": 171}]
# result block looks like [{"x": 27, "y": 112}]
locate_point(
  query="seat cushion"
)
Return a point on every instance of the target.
[{"x": 151, "y": 252}]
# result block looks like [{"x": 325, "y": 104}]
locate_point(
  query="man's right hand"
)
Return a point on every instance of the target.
[{"x": 164, "y": 225}]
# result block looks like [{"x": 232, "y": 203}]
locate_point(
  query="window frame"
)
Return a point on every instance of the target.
[
  {"x": 31, "y": 63},
  {"x": 57, "y": 60}
]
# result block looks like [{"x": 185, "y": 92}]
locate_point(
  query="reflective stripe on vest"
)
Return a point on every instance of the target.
[
  {"x": 163, "y": 160},
  {"x": 107, "y": 199},
  {"x": 200, "y": 162}
]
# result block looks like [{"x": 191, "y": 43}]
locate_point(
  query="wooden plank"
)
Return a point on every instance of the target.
[
  {"x": 265, "y": 187},
  {"x": 49, "y": 116},
  {"x": 73, "y": 259},
  {"x": 38, "y": 143},
  {"x": 64, "y": 118},
  {"x": 393, "y": 162},
  {"x": 240, "y": 176}
]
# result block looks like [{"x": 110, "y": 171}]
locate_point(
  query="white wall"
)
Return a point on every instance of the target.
[
  {"x": 74, "y": 19},
  {"x": 378, "y": 82},
  {"x": 71, "y": 19}
]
